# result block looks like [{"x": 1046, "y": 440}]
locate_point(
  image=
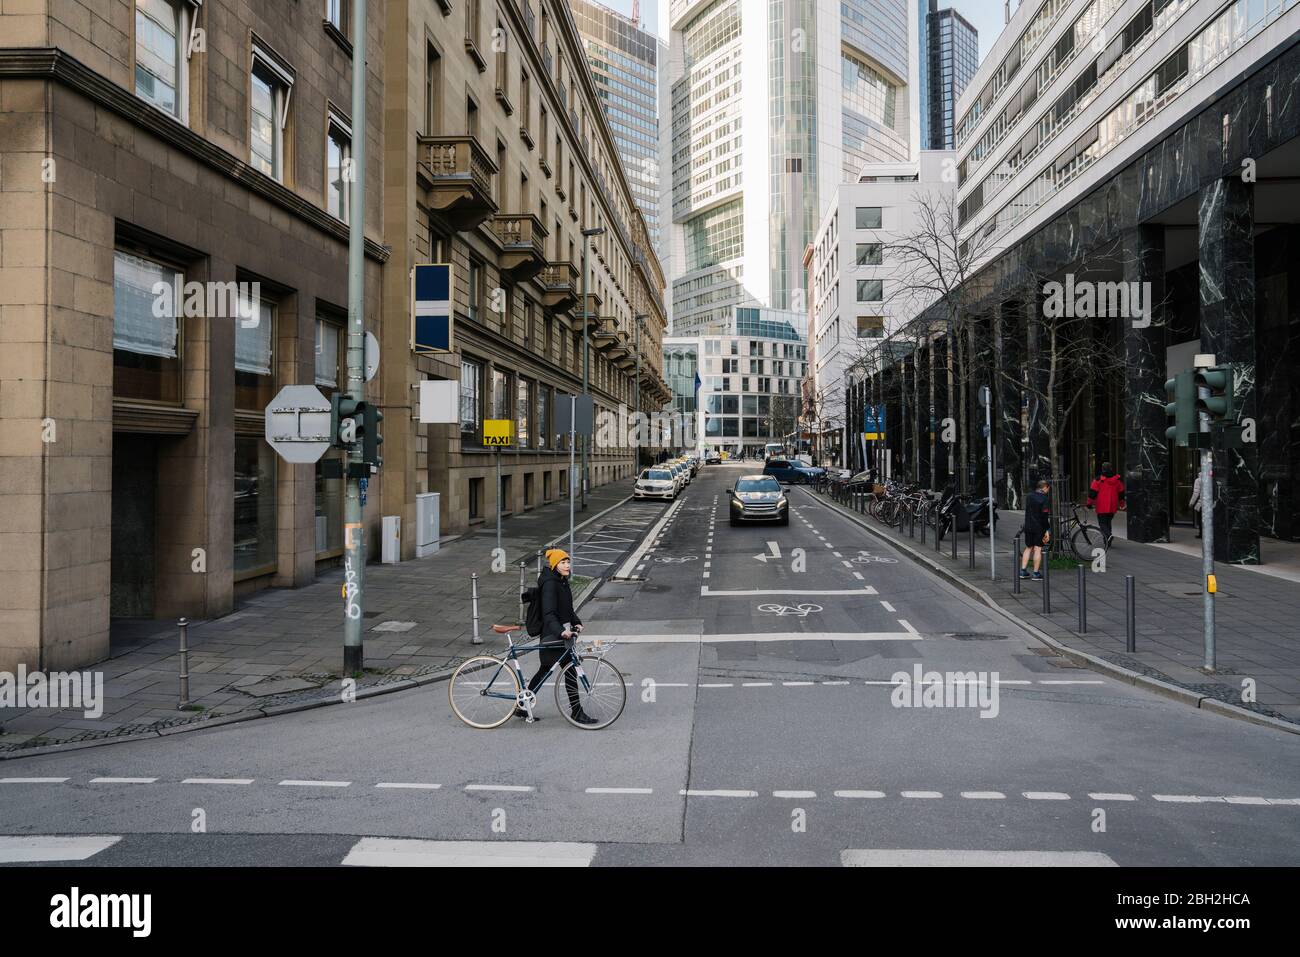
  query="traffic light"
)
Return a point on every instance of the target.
[
  {"x": 345, "y": 412},
  {"x": 1181, "y": 390},
  {"x": 368, "y": 419},
  {"x": 1218, "y": 379}
]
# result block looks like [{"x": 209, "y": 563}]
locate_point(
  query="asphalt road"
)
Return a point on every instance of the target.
[{"x": 762, "y": 727}]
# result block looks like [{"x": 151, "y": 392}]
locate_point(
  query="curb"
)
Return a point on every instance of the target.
[
  {"x": 1137, "y": 679},
  {"x": 291, "y": 707}
]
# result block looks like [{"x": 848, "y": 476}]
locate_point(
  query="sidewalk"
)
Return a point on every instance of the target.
[
  {"x": 282, "y": 648},
  {"x": 1257, "y": 616}
]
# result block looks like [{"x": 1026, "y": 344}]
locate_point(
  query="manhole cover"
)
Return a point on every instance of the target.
[{"x": 974, "y": 636}]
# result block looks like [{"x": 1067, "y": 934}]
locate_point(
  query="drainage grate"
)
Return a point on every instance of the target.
[{"x": 974, "y": 636}]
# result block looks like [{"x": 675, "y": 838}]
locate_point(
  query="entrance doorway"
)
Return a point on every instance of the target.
[{"x": 135, "y": 487}]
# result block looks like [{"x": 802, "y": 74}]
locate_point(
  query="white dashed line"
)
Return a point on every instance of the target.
[
  {"x": 620, "y": 790},
  {"x": 794, "y": 794},
  {"x": 407, "y": 786},
  {"x": 1045, "y": 796},
  {"x": 1057, "y": 681},
  {"x": 797, "y": 684},
  {"x": 983, "y": 795},
  {"x": 836, "y": 682},
  {"x": 315, "y": 784},
  {"x": 858, "y": 576},
  {"x": 499, "y": 787},
  {"x": 922, "y": 794},
  {"x": 726, "y": 684},
  {"x": 217, "y": 781},
  {"x": 756, "y": 684},
  {"x": 837, "y": 554},
  {"x": 1107, "y": 796},
  {"x": 1246, "y": 800},
  {"x": 888, "y": 607},
  {"x": 692, "y": 792},
  {"x": 123, "y": 780},
  {"x": 32, "y": 780},
  {"x": 907, "y": 626},
  {"x": 859, "y": 794}
]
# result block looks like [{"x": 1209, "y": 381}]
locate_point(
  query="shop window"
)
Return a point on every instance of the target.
[{"x": 146, "y": 337}]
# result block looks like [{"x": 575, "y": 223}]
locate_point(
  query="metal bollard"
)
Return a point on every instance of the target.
[
  {"x": 1047, "y": 582},
  {"x": 923, "y": 523},
  {"x": 1015, "y": 564},
  {"x": 954, "y": 532},
  {"x": 522, "y": 565},
  {"x": 1083, "y": 601},
  {"x": 184, "y": 625},
  {"x": 477, "y": 640},
  {"x": 970, "y": 536},
  {"x": 1130, "y": 608},
  {"x": 539, "y": 562}
]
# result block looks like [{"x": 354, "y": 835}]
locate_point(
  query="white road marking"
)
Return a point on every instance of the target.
[
  {"x": 706, "y": 574},
  {"x": 719, "y": 684},
  {"x": 837, "y": 554},
  {"x": 315, "y": 784},
  {"x": 836, "y": 682},
  {"x": 770, "y": 636},
  {"x": 1014, "y": 681},
  {"x": 1058, "y": 681},
  {"x": 35, "y": 848},
  {"x": 907, "y": 625},
  {"x": 984, "y": 795},
  {"x": 887, "y": 857},
  {"x": 859, "y": 794},
  {"x": 217, "y": 781},
  {"x": 1245, "y": 800},
  {"x": 1178, "y": 798},
  {"x": 756, "y": 684},
  {"x": 828, "y": 544},
  {"x": 1107, "y": 796},
  {"x": 858, "y": 576},
  {"x": 1045, "y": 795},
  {"x": 713, "y": 593},
  {"x": 794, "y": 794},
  {"x": 499, "y": 787},
  {"x": 922, "y": 794},
  {"x": 32, "y": 780},
  {"x": 620, "y": 790},
  {"x": 1284, "y": 800},
  {"x": 407, "y": 786},
  {"x": 123, "y": 780},
  {"x": 692, "y": 792},
  {"x": 847, "y": 564},
  {"x": 888, "y": 607},
  {"x": 797, "y": 684},
  {"x": 708, "y": 564},
  {"x": 395, "y": 852}
]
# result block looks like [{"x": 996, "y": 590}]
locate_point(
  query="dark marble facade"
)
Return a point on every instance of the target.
[{"x": 1146, "y": 450}]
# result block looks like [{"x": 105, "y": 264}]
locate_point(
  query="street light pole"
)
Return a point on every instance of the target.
[
  {"x": 586, "y": 349},
  {"x": 637, "y": 320}
]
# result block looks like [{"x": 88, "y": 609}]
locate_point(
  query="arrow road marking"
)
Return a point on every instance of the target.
[{"x": 773, "y": 551}]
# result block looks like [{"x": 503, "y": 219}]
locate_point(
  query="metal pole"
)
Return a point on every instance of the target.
[
  {"x": 970, "y": 538},
  {"x": 522, "y": 565},
  {"x": 1130, "y": 613},
  {"x": 1083, "y": 600},
  {"x": 1047, "y": 582},
  {"x": 956, "y": 505},
  {"x": 1015, "y": 564},
  {"x": 498, "y": 500},
  {"x": 637, "y": 450},
  {"x": 573, "y": 426},
  {"x": 473, "y": 579},
  {"x": 988, "y": 445},
  {"x": 184, "y": 625},
  {"x": 1207, "y": 537},
  {"x": 353, "y": 530},
  {"x": 923, "y": 524}
]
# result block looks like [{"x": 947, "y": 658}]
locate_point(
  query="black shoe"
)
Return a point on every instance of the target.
[
  {"x": 581, "y": 717},
  {"x": 1038, "y": 576},
  {"x": 1024, "y": 575},
  {"x": 521, "y": 713}
]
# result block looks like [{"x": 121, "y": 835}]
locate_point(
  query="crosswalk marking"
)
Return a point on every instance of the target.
[
  {"x": 36, "y": 848},
  {"x": 406, "y": 852}
]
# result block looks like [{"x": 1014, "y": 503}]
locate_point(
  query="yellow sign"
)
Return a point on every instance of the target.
[
  {"x": 498, "y": 432},
  {"x": 1212, "y": 584}
]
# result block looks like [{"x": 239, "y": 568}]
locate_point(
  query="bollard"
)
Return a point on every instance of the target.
[
  {"x": 1015, "y": 564},
  {"x": 970, "y": 537},
  {"x": 1047, "y": 582},
  {"x": 1130, "y": 608},
  {"x": 1083, "y": 601},
  {"x": 477, "y": 640},
  {"x": 923, "y": 524},
  {"x": 522, "y": 565},
  {"x": 184, "y": 625},
  {"x": 539, "y": 562},
  {"x": 954, "y": 530}
]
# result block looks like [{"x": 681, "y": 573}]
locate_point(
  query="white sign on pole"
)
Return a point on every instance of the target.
[
  {"x": 298, "y": 424},
  {"x": 439, "y": 401},
  {"x": 372, "y": 356}
]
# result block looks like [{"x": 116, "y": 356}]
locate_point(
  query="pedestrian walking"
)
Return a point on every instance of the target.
[
  {"x": 1194, "y": 503},
  {"x": 1037, "y": 530},
  {"x": 1106, "y": 495},
  {"x": 560, "y": 624}
]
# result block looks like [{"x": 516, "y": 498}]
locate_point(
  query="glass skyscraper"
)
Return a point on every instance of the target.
[{"x": 951, "y": 54}]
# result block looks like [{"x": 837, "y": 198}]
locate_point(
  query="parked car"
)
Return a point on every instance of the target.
[
  {"x": 783, "y": 470},
  {"x": 678, "y": 477},
  {"x": 758, "y": 498},
  {"x": 714, "y": 458},
  {"x": 655, "y": 483}
]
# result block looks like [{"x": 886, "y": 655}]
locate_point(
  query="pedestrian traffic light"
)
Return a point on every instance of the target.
[
  {"x": 345, "y": 413},
  {"x": 1181, "y": 391},
  {"x": 368, "y": 421},
  {"x": 1219, "y": 404}
]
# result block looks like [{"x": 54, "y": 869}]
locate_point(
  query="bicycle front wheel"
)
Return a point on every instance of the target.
[
  {"x": 484, "y": 692},
  {"x": 590, "y": 687},
  {"x": 1085, "y": 540}
]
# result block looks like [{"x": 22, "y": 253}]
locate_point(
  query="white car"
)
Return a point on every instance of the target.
[
  {"x": 678, "y": 474},
  {"x": 655, "y": 483}
]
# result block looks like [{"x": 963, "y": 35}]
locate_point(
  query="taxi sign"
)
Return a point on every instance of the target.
[{"x": 498, "y": 432}]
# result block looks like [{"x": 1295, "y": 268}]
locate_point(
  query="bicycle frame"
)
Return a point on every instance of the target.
[{"x": 512, "y": 659}]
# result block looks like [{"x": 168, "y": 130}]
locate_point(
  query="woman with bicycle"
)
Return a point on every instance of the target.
[{"x": 560, "y": 623}]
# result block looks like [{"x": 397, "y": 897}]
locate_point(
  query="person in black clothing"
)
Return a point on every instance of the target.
[
  {"x": 559, "y": 625},
  {"x": 1038, "y": 522}
]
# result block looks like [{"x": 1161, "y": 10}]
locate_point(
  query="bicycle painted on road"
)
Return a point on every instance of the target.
[{"x": 799, "y": 611}]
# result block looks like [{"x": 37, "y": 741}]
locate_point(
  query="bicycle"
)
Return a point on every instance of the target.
[
  {"x": 485, "y": 690},
  {"x": 1084, "y": 537}
]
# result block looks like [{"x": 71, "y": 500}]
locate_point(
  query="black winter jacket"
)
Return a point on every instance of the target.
[{"x": 557, "y": 604}]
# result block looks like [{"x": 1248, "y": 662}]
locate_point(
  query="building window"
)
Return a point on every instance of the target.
[
  {"x": 523, "y": 411},
  {"x": 254, "y": 513},
  {"x": 329, "y": 353},
  {"x": 871, "y": 290},
  {"x": 254, "y": 375},
  {"x": 500, "y": 398},
  {"x": 146, "y": 345},
  {"x": 869, "y": 254},
  {"x": 161, "y": 49},
  {"x": 543, "y": 417},
  {"x": 338, "y": 178},
  {"x": 871, "y": 327},
  {"x": 475, "y": 289},
  {"x": 329, "y": 492},
  {"x": 867, "y": 217},
  {"x": 475, "y": 498},
  {"x": 269, "y": 112},
  {"x": 432, "y": 91},
  {"x": 471, "y": 381},
  {"x": 336, "y": 14}
]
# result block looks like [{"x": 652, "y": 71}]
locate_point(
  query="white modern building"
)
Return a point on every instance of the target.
[
  {"x": 863, "y": 288},
  {"x": 768, "y": 105}
]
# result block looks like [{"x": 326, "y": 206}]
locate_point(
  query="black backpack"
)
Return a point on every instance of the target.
[{"x": 533, "y": 622}]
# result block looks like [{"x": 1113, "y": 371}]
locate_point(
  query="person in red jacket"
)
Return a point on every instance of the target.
[{"x": 1107, "y": 496}]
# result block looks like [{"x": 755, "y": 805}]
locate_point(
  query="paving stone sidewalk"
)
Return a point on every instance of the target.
[
  {"x": 1257, "y": 616},
  {"x": 284, "y": 646}
]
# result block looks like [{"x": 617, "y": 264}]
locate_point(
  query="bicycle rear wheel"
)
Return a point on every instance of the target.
[
  {"x": 602, "y": 697},
  {"x": 484, "y": 692},
  {"x": 1085, "y": 540}
]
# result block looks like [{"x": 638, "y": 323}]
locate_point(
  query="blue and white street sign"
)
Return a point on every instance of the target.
[
  {"x": 874, "y": 422},
  {"x": 431, "y": 322}
]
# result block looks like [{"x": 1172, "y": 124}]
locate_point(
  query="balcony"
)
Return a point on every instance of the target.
[
  {"x": 520, "y": 237},
  {"x": 594, "y": 302},
  {"x": 559, "y": 286},
  {"x": 604, "y": 337},
  {"x": 456, "y": 174}
]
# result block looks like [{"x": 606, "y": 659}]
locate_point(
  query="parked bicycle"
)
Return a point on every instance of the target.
[
  {"x": 1084, "y": 537},
  {"x": 485, "y": 690}
]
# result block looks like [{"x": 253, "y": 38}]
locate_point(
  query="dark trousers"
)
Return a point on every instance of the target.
[
  {"x": 1104, "y": 521},
  {"x": 546, "y": 658}
]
